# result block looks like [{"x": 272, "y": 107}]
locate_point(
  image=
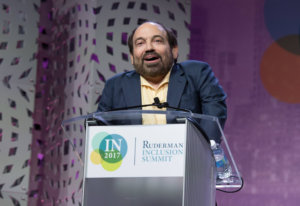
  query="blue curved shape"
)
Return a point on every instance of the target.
[{"x": 282, "y": 17}]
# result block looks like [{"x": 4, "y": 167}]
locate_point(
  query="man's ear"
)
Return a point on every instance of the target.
[
  {"x": 175, "y": 52},
  {"x": 131, "y": 58}
]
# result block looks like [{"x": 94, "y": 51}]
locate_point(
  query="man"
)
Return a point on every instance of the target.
[{"x": 188, "y": 85}]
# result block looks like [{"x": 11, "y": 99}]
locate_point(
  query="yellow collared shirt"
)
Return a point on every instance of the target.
[{"x": 148, "y": 93}]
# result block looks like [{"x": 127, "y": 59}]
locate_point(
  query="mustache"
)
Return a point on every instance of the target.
[{"x": 151, "y": 53}]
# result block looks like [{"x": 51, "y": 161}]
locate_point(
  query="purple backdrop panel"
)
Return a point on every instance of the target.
[{"x": 253, "y": 47}]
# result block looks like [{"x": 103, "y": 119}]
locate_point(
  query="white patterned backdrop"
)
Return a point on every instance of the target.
[
  {"x": 80, "y": 45},
  {"x": 18, "y": 65}
]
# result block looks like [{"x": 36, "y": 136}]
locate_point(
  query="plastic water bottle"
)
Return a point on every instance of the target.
[{"x": 223, "y": 167}]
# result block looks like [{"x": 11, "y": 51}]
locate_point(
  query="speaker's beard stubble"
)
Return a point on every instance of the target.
[{"x": 154, "y": 70}]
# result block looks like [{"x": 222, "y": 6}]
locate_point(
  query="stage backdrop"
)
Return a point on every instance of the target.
[
  {"x": 55, "y": 57},
  {"x": 253, "y": 47}
]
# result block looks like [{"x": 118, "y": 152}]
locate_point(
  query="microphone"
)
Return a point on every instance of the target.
[
  {"x": 166, "y": 105},
  {"x": 156, "y": 100},
  {"x": 156, "y": 103},
  {"x": 131, "y": 107}
]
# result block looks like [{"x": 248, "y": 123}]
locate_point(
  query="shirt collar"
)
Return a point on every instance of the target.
[{"x": 165, "y": 80}]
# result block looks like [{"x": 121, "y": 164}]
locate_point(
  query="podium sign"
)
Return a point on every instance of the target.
[
  {"x": 136, "y": 151},
  {"x": 135, "y": 165}
]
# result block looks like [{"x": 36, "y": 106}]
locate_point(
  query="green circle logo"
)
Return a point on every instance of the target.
[{"x": 109, "y": 150}]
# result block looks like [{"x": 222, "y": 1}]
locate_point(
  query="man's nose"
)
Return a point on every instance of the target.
[{"x": 149, "y": 46}]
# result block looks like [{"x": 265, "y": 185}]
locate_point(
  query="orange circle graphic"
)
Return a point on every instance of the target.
[{"x": 280, "y": 74}]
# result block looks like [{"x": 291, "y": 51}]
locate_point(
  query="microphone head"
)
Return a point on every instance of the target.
[{"x": 156, "y": 100}]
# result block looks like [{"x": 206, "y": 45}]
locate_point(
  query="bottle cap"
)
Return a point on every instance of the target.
[{"x": 213, "y": 144}]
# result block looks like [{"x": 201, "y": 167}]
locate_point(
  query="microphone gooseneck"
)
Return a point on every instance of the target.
[{"x": 156, "y": 103}]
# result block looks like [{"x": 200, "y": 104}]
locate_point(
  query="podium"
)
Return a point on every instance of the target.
[{"x": 127, "y": 163}]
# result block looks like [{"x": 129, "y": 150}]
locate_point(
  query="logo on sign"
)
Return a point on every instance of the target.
[{"x": 108, "y": 150}]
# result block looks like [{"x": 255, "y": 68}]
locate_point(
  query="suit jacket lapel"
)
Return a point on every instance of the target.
[
  {"x": 132, "y": 89},
  {"x": 176, "y": 86}
]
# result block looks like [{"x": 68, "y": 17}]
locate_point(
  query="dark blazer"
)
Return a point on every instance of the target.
[{"x": 192, "y": 86}]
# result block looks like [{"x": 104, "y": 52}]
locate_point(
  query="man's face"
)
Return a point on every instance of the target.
[{"x": 152, "y": 56}]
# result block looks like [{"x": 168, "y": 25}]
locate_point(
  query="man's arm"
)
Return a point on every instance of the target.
[
  {"x": 213, "y": 103},
  {"x": 106, "y": 99},
  {"x": 213, "y": 97}
]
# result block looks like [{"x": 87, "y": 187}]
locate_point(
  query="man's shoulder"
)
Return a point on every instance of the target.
[
  {"x": 193, "y": 64},
  {"x": 118, "y": 77},
  {"x": 194, "y": 67}
]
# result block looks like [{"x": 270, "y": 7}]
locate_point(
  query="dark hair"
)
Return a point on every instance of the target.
[{"x": 170, "y": 36}]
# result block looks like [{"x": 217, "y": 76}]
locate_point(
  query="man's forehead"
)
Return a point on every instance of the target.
[{"x": 149, "y": 28}]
